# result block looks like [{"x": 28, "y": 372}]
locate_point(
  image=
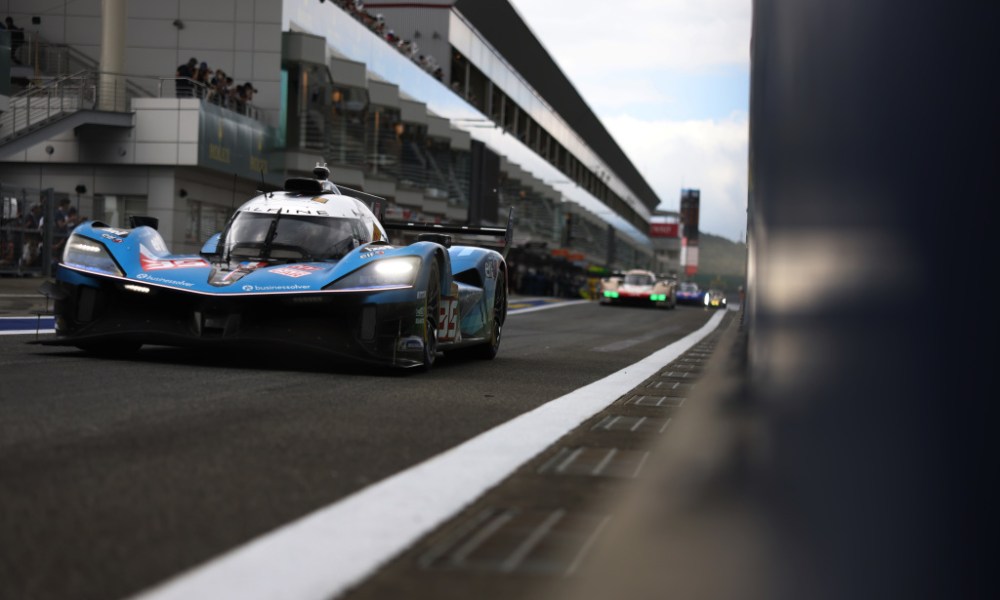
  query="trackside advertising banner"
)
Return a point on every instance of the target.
[
  {"x": 233, "y": 143},
  {"x": 664, "y": 230}
]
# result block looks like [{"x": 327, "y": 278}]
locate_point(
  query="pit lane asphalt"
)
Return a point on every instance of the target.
[{"x": 116, "y": 474}]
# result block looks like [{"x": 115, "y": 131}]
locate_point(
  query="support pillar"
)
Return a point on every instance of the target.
[{"x": 111, "y": 84}]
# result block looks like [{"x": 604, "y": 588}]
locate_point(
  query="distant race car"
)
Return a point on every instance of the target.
[
  {"x": 639, "y": 286},
  {"x": 715, "y": 299},
  {"x": 688, "y": 292},
  {"x": 309, "y": 267}
]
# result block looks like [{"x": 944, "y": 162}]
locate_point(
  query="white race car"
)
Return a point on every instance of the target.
[{"x": 639, "y": 287}]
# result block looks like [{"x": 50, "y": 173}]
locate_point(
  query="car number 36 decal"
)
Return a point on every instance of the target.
[{"x": 448, "y": 317}]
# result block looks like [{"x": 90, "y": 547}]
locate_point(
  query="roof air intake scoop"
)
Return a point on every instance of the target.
[{"x": 321, "y": 172}]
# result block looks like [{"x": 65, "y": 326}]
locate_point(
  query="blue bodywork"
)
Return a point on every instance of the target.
[
  {"x": 117, "y": 289},
  {"x": 690, "y": 294}
]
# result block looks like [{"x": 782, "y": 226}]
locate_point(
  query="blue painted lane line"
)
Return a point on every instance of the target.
[{"x": 23, "y": 325}]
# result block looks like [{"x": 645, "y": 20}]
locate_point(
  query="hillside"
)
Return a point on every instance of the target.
[{"x": 721, "y": 262}]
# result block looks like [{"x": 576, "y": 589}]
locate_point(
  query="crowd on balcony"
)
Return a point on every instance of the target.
[
  {"x": 196, "y": 80},
  {"x": 377, "y": 24}
]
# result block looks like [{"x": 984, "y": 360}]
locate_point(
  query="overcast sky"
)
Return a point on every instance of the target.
[{"x": 669, "y": 79}]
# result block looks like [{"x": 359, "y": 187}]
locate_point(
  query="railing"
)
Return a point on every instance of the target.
[
  {"x": 185, "y": 87},
  {"x": 63, "y": 96},
  {"x": 52, "y": 60},
  {"x": 40, "y": 104},
  {"x": 49, "y": 61}
]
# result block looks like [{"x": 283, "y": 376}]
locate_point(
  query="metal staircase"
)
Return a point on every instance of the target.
[
  {"x": 42, "y": 112},
  {"x": 64, "y": 91}
]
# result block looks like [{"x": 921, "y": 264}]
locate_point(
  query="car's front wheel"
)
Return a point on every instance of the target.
[
  {"x": 432, "y": 308},
  {"x": 489, "y": 350}
]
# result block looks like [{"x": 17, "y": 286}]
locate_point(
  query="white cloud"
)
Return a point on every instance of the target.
[
  {"x": 636, "y": 61},
  {"x": 708, "y": 155},
  {"x": 624, "y": 93},
  {"x": 604, "y": 37}
]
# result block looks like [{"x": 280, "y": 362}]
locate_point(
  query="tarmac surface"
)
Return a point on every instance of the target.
[{"x": 577, "y": 521}]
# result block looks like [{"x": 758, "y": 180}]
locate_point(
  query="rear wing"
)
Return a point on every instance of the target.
[{"x": 442, "y": 233}]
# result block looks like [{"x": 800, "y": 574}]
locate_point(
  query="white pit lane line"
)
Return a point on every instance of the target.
[
  {"x": 521, "y": 311},
  {"x": 322, "y": 554}
]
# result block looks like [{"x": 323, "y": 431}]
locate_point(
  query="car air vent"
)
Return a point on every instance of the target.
[
  {"x": 470, "y": 277},
  {"x": 303, "y": 184}
]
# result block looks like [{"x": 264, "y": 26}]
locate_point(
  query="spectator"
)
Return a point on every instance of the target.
[
  {"x": 59, "y": 218},
  {"x": 186, "y": 73},
  {"x": 60, "y": 230},
  {"x": 215, "y": 87},
  {"x": 377, "y": 24},
  {"x": 31, "y": 241},
  {"x": 239, "y": 100},
  {"x": 31, "y": 251},
  {"x": 7, "y": 253},
  {"x": 73, "y": 219},
  {"x": 33, "y": 219},
  {"x": 230, "y": 93},
  {"x": 249, "y": 90},
  {"x": 202, "y": 79},
  {"x": 16, "y": 40},
  {"x": 62, "y": 216}
]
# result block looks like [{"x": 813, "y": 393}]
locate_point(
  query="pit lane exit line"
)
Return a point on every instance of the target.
[{"x": 322, "y": 554}]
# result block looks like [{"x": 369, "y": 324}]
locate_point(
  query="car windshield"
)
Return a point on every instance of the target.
[
  {"x": 293, "y": 237},
  {"x": 638, "y": 279},
  {"x": 689, "y": 287}
]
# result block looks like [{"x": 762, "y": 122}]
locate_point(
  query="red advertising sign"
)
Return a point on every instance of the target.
[{"x": 664, "y": 230}]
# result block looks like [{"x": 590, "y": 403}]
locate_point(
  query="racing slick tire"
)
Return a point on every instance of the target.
[
  {"x": 432, "y": 308},
  {"x": 488, "y": 351}
]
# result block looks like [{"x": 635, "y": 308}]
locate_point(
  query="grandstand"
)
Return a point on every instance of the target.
[{"x": 450, "y": 109}]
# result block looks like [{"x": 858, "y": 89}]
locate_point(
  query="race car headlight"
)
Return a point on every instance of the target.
[
  {"x": 706, "y": 299},
  {"x": 382, "y": 274},
  {"x": 90, "y": 255}
]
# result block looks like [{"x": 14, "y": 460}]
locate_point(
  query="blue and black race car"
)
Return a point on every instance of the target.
[
  {"x": 689, "y": 293},
  {"x": 309, "y": 267}
]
